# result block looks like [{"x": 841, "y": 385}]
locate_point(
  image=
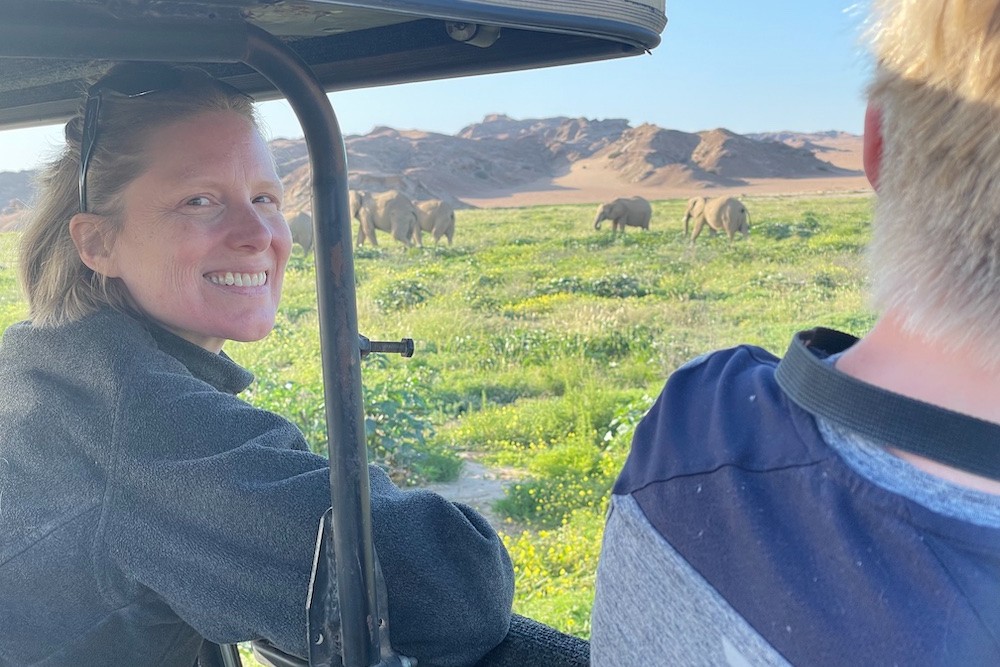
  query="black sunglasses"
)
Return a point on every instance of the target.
[{"x": 127, "y": 83}]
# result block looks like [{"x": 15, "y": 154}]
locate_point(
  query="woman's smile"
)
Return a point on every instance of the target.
[{"x": 229, "y": 278}]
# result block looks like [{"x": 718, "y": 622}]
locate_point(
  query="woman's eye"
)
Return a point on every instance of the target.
[
  {"x": 198, "y": 201},
  {"x": 265, "y": 199}
]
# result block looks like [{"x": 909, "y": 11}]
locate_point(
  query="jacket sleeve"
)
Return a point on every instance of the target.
[{"x": 214, "y": 507}]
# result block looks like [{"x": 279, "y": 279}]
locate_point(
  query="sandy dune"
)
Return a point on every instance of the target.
[
  {"x": 585, "y": 185},
  {"x": 593, "y": 188}
]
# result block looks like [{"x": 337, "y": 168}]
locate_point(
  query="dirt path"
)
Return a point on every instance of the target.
[{"x": 479, "y": 487}]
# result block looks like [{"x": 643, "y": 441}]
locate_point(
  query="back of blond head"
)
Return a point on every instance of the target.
[{"x": 935, "y": 249}]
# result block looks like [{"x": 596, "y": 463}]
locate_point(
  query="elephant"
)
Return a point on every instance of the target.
[
  {"x": 390, "y": 211},
  {"x": 726, "y": 214},
  {"x": 301, "y": 225},
  {"x": 631, "y": 211},
  {"x": 438, "y": 217},
  {"x": 354, "y": 199}
]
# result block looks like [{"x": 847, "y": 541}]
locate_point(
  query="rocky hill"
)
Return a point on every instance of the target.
[{"x": 504, "y": 155}]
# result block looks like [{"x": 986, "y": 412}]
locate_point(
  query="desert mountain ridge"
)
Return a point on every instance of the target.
[{"x": 503, "y": 161}]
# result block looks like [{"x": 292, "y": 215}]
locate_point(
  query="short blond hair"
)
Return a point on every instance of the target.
[
  {"x": 935, "y": 250},
  {"x": 59, "y": 287}
]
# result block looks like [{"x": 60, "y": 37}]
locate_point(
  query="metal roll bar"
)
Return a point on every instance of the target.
[{"x": 338, "y": 321}]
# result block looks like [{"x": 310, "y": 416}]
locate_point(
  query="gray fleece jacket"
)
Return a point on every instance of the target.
[{"x": 144, "y": 506}]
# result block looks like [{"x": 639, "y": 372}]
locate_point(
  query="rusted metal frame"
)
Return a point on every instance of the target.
[{"x": 341, "y": 358}]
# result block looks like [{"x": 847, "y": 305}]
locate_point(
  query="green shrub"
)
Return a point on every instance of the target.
[
  {"x": 402, "y": 295},
  {"x": 555, "y": 570}
]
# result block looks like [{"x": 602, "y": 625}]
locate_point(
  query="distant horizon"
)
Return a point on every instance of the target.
[
  {"x": 631, "y": 123},
  {"x": 300, "y": 137},
  {"x": 599, "y": 159}
]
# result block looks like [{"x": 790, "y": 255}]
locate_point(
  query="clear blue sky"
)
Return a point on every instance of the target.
[{"x": 758, "y": 66}]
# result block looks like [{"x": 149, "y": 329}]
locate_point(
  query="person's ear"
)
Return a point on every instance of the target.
[
  {"x": 872, "y": 155},
  {"x": 94, "y": 240}
]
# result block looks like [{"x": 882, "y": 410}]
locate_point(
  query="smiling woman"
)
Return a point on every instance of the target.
[
  {"x": 203, "y": 215},
  {"x": 155, "y": 506}
]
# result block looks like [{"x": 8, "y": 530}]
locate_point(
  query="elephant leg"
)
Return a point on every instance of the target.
[
  {"x": 369, "y": 229},
  {"x": 402, "y": 235},
  {"x": 697, "y": 229}
]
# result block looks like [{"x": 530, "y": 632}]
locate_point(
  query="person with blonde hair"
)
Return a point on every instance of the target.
[
  {"x": 841, "y": 505},
  {"x": 144, "y": 507}
]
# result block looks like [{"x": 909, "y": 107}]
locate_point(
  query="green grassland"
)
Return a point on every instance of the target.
[{"x": 540, "y": 342}]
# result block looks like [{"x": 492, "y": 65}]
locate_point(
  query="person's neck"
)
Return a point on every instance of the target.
[{"x": 905, "y": 363}]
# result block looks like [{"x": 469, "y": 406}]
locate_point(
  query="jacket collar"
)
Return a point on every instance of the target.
[{"x": 217, "y": 370}]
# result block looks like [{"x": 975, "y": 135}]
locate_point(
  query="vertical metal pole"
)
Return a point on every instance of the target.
[{"x": 338, "y": 320}]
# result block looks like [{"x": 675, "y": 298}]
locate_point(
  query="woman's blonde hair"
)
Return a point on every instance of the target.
[
  {"x": 935, "y": 250},
  {"x": 59, "y": 287}
]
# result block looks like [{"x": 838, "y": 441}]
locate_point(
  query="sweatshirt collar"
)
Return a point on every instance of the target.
[{"x": 218, "y": 370}]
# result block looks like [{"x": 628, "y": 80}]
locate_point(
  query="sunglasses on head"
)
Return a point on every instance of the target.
[{"x": 128, "y": 83}]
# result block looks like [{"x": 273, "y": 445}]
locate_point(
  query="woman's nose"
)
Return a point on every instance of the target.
[{"x": 250, "y": 229}]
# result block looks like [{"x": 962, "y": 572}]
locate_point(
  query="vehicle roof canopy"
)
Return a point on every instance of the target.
[{"x": 49, "y": 49}]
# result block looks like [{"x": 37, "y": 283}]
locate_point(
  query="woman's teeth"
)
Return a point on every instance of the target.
[{"x": 239, "y": 279}]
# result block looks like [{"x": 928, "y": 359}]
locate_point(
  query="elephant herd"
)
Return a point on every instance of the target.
[
  {"x": 721, "y": 214},
  {"x": 391, "y": 212},
  {"x": 395, "y": 213},
  {"x": 405, "y": 220}
]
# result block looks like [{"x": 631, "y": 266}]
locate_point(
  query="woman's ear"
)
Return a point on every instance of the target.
[
  {"x": 94, "y": 240},
  {"x": 872, "y": 156}
]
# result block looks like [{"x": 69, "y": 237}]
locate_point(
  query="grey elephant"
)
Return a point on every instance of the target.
[
  {"x": 354, "y": 199},
  {"x": 721, "y": 214},
  {"x": 625, "y": 211},
  {"x": 390, "y": 211},
  {"x": 437, "y": 217},
  {"x": 301, "y": 225}
]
